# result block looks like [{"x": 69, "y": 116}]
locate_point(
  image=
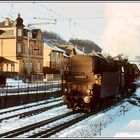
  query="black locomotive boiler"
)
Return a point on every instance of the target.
[{"x": 95, "y": 81}]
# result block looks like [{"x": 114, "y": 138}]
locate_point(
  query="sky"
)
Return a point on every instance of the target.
[{"x": 114, "y": 26}]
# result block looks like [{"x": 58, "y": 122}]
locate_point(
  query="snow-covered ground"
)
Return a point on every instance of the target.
[
  {"x": 129, "y": 124},
  {"x": 125, "y": 126},
  {"x": 14, "y": 123},
  {"x": 116, "y": 122},
  {"x": 113, "y": 123}
]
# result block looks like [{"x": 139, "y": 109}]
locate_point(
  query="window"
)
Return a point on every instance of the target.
[
  {"x": 27, "y": 65},
  {"x": 19, "y": 48},
  {"x": 19, "y": 32},
  {"x": 39, "y": 36},
  {"x": 31, "y": 49},
  {"x": 39, "y": 50},
  {"x": 29, "y": 34},
  {"x": 39, "y": 66}
]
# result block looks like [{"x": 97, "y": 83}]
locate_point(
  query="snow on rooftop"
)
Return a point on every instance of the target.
[
  {"x": 52, "y": 47},
  {"x": 79, "y": 51}
]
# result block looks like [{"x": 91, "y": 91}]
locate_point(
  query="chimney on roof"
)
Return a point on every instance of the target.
[
  {"x": 19, "y": 21},
  {"x": 7, "y": 21}
]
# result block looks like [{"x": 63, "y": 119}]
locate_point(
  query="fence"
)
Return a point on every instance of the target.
[
  {"x": 24, "y": 88},
  {"x": 21, "y": 93}
]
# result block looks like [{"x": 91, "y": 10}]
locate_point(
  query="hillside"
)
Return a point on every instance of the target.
[
  {"x": 57, "y": 40},
  {"x": 87, "y": 45}
]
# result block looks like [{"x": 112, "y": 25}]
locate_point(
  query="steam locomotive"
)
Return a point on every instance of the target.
[{"x": 95, "y": 81}]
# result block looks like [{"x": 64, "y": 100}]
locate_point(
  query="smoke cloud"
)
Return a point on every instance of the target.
[{"x": 122, "y": 34}]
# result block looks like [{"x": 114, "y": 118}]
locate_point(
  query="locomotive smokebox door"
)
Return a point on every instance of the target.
[{"x": 110, "y": 84}]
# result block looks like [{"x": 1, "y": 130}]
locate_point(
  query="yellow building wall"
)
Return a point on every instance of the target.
[
  {"x": 46, "y": 58},
  {"x": 8, "y": 50}
]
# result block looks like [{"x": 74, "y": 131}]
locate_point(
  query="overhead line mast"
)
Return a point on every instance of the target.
[{"x": 41, "y": 23}]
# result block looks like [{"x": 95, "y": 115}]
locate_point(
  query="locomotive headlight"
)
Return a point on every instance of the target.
[
  {"x": 88, "y": 91},
  {"x": 65, "y": 90},
  {"x": 87, "y": 99},
  {"x": 64, "y": 97}
]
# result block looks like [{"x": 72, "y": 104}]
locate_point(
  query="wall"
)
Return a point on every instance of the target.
[
  {"x": 46, "y": 58},
  {"x": 8, "y": 50}
]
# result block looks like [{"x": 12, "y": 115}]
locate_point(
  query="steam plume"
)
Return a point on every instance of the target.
[{"x": 122, "y": 35}]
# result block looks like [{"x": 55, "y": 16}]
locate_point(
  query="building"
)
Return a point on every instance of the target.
[
  {"x": 71, "y": 50},
  {"x": 24, "y": 46},
  {"x": 55, "y": 60},
  {"x": 5, "y": 64},
  {"x": 54, "y": 57}
]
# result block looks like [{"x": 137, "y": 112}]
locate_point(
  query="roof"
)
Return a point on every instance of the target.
[
  {"x": 79, "y": 51},
  {"x": 5, "y": 60},
  {"x": 28, "y": 28},
  {"x": 6, "y": 33},
  {"x": 70, "y": 48},
  {"x": 52, "y": 47},
  {"x": 66, "y": 55},
  {"x": 10, "y": 22}
]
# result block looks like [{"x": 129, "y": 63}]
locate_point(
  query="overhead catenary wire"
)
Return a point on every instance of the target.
[
  {"x": 73, "y": 21},
  {"x": 103, "y": 17},
  {"x": 69, "y": 19}
]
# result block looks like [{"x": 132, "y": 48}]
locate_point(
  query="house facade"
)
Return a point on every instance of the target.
[
  {"x": 54, "y": 57},
  {"x": 55, "y": 60},
  {"x": 24, "y": 46}
]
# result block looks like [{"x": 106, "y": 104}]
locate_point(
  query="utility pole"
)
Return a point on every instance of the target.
[{"x": 28, "y": 55}]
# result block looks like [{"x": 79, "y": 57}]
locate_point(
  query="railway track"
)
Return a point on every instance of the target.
[
  {"x": 28, "y": 106},
  {"x": 56, "y": 128},
  {"x": 32, "y": 112},
  {"x": 63, "y": 125},
  {"x": 17, "y": 132},
  {"x": 60, "y": 127},
  {"x": 46, "y": 133}
]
